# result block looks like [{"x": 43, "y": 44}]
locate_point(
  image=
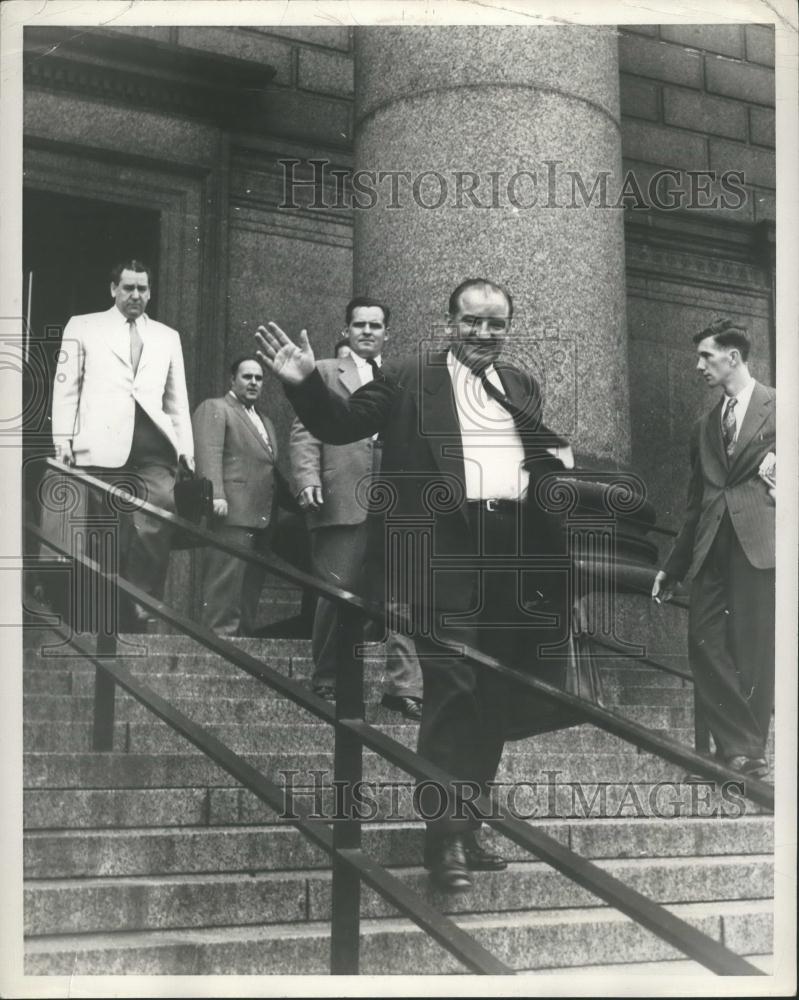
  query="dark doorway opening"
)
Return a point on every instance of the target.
[{"x": 69, "y": 246}]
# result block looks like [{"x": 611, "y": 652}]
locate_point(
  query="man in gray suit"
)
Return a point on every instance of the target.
[
  {"x": 727, "y": 547},
  {"x": 236, "y": 448},
  {"x": 329, "y": 485}
]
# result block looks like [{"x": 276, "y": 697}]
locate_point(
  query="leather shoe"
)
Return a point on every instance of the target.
[
  {"x": 753, "y": 767},
  {"x": 447, "y": 863},
  {"x": 409, "y": 708},
  {"x": 326, "y": 691},
  {"x": 478, "y": 859}
]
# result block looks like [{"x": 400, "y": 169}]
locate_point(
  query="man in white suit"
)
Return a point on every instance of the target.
[
  {"x": 121, "y": 411},
  {"x": 328, "y": 483}
]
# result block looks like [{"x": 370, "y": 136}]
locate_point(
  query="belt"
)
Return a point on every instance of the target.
[{"x": 494, "y": 506}]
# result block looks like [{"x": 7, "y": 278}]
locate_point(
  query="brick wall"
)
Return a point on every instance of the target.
[{"x": 701, "y": 97}]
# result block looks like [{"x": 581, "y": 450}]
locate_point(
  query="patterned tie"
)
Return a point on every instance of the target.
[
  {"x": 728, "y": 427},
  {"x": 135, "y": 345}
]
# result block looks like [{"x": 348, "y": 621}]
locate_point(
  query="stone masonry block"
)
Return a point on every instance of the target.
[
  {"x": 641, "y": 29},
  {"x": 688, "y": 109},
  {"x": 758, "y": 165},
  {"x": 724, "y": 38},
  {"x": 761, "y": 126},
  {"x": 660, "y": 61},
  {"x": 639, "y": 98},
  {"x": 332, "y": 37},
  {"x": 760, "y": 44},
  {"x": 326, "y": 72},
  {"x": 669, "y": 146},
  {"x": 242, "y": 45},
  {"x": 741, "y": 80}
]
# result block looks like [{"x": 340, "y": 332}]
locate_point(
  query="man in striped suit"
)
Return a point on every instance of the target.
[{"x": 727, "y": 548}]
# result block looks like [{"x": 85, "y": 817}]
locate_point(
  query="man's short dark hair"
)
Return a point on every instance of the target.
[
  {"x": 131, "y": 265},
  {"x": 236, "y": 363},
  {"x": 727, "y": 333},
  {"x": 363, "y": 301},
  {"x": 484, "y": 283}
]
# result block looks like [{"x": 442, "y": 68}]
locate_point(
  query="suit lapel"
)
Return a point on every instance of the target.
[
  {"x": 117, "y": 336},
  {"x": 712, "y": 440},
  {"x": 756, "y": 414},
  {"x": 440, "y": 425},
  {"x": 241, "y": 415},
  {"x": 348, "y": 375}
]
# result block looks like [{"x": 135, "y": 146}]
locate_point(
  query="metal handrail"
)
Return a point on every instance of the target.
[{"x": 352, "y": 732}]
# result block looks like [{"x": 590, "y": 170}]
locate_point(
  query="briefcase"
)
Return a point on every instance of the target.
[{"x": 194, "y": 501}]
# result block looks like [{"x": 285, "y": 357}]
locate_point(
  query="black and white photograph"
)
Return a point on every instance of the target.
[{"x": 397, "y": 585}]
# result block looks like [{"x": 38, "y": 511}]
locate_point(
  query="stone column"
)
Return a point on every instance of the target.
[{"x": 498, "y": 117}]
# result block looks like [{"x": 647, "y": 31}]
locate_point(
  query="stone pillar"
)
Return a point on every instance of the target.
[{"x": 498, "y": 117}]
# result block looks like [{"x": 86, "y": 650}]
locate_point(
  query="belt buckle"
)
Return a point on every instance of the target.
[{"x": 492, "y": 505}]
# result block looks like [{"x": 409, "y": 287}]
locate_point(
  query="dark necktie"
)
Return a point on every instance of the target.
[
  {"x": 728, "y": 427},
  {"x": 497, "y": 394},
  {"x": 376, "y": 372},
  {"x": 135, "y": 345}
]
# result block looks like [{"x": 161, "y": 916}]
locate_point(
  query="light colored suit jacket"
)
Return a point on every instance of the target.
[
  {"x": 718, "y": 485},
  {"x": 95, "y": 390},
  {"x": 233, "y": 455},
  {"x": 338, "y": 469}
]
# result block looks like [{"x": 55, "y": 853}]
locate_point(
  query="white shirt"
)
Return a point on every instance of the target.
[
  {"x": 742, "y": 405},
  {"x": 365, "y": 373},
  {"x": 492, "y": 449}
]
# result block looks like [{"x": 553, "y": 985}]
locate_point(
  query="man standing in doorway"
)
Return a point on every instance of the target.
[
  {"x": 464, "y": 449},
  {"x": 329, "y": 484},
  {"x": 727, "y": 548},
  {"x": 121, "y": 412}
]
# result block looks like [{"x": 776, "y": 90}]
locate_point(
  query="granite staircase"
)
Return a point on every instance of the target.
[{"x": 150, "y": 860}]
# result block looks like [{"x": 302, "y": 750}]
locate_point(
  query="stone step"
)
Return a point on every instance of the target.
[
  {"x": 41, "y": 683},
  {"x": 165, "y": 769},
  {"x": 80, "y": 683},
  {"x": 276, "y": 847},
  {"x": 651, "y": 969},
  {"x": 523, "y": 940},
  {"x": 81, "y": 808},
  {"x": 90, "y": 905},
  {"x": 142, "y": 736},
  {"x": 615, "y": 677}
]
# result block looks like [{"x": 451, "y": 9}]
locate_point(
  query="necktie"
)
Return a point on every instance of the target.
[
  {"x": 135, "y": 345},
  {"x": 376, "y": 373},
  {"x": 496, "y": 394},
  {"x": 728, "y": 427}
]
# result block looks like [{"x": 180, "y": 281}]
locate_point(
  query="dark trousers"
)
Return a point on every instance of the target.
[
  {"x": 149, "y": 473},
  {"x": 232, "y": 587},
  {"x": 468, "y": 712},
  {"x": 731, "y": 645}
]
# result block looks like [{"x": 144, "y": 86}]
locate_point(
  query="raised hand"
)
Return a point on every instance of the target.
[{"x": 291, "y": 363}]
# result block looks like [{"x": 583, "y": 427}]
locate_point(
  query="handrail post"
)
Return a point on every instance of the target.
[
  {"x": 347, "y": 773},
  {"x": 106, "y": 539}
]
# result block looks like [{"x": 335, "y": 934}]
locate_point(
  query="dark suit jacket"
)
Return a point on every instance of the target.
[
  {"x": 421, "y": 487},
  {"x": 337, "y": 468},
  {"x": 718, "y": 486},
  {"x": 231, "y": 453}
]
